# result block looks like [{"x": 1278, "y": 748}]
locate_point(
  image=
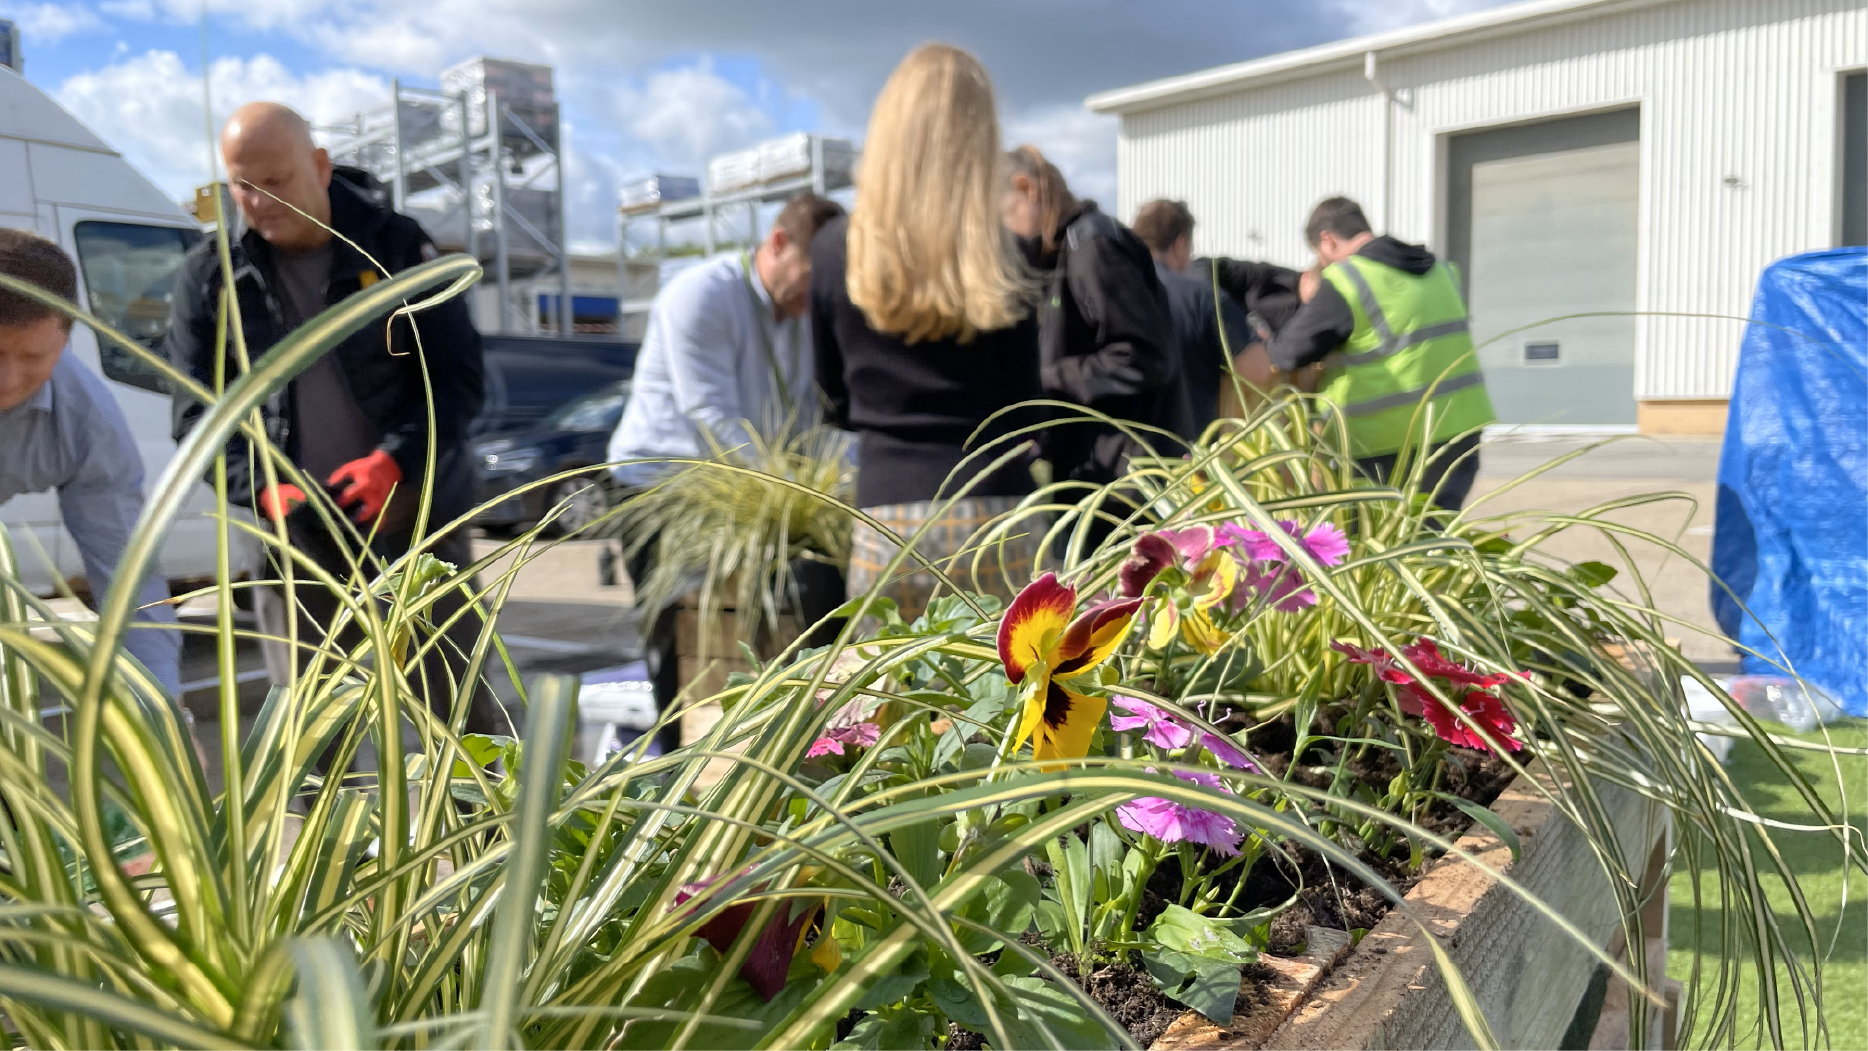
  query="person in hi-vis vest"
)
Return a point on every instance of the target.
[{"x": 1388, "y": 326}]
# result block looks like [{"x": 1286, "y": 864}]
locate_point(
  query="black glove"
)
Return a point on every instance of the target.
[{"x": 1118, "y": 381}]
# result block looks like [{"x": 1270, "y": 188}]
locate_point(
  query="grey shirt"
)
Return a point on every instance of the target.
[
  {"x": 71, "y": 436},
  {"x": 331, "y": 428}
]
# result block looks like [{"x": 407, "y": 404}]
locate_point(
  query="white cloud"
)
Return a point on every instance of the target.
[
  {"x": 48, "y": 22},
  {"x": 149, "y": 106},
  {"x": 688, "y": 115},
  {"x": 634, "y": 117},
  {"x": 1374, "y": 16},
  {"x": 1082, "y": 145},
  {"x": 133, "y": 10}
]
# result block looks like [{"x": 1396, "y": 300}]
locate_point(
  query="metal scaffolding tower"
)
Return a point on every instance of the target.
[
  {"x": 469, "y": 171},
  {"x": 731, "y": 217}
]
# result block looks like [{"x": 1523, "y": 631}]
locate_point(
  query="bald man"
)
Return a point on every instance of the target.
[{"x": 356, "y": 421}]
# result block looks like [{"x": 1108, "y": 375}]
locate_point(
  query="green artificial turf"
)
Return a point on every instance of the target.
[{"x": 1842, "y": 929}]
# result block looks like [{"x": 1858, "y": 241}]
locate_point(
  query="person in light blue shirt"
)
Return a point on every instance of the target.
[
  {"x": 728, "y": 350},
  {"x": 727, "y": 355},
  {"x": 60, "y": 429}
]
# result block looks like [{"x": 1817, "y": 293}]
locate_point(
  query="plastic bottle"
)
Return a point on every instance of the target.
[{"x": 1798, "y": 705}]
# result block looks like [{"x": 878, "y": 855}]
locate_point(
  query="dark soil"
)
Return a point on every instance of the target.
[
  {"x": 960, "y": 1038},
  {"x": 1327, "y": 897},
  {"x": 1126, "y": 991}
]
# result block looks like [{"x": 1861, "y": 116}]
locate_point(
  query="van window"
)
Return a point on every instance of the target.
[{"x": 129, "y": 279}]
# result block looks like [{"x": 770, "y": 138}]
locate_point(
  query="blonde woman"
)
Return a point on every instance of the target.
[{"x": 922, "y": 323}]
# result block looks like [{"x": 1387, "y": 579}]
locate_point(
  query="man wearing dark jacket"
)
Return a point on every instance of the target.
[
  {"x": 1268, "y": 293},
  {"x": 357, "y": 419},
  {"x": 1401, "y": 348},
  {"x": 1208, "y": 328}
]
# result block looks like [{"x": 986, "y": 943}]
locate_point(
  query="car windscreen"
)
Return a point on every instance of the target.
[
  {"x": 522, "y": 390},
  {"x": 598, "y": 411},
  {"x": 129, "y": 279}
]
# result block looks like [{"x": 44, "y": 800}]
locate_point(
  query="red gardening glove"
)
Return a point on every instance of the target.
[
  {"x": 275, "y": 502},
  {"x": 362, "y": 486}
]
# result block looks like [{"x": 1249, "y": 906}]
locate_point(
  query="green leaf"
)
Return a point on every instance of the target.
[
  {"x": 1183, "y": 930},
  {"x": 892, "y": 1029},
  {"x": 1592, "y": 574},
  {"x": 1199, "y": 961},
  {"x": 1107, "y": 853},
  {"x": 1484, "y": 816},
  {"x": 483, "y": 749},
  {"x": 917, "y": 847},
  {"x": 956, "y": 1001},
  {"x": 1040, "y": 1001},
  {"x": 1008, "y": 904},
  {"x": 890, "y": 988},
  {"x": 330, "y": 1012},
  {"x": 1070, "y": 867},
  {"x": 1011, "y": 899},
  {"x": 547, "y": 737},
  {"x": 1053, "y": 922},
  {"x": 735, "y": 1021},
  {"x": 1207, "y": 985},
  {"x": 1034, "y": 999}
]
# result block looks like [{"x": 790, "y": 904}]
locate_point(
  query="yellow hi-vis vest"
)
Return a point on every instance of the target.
[{"x": 1410, "y": 345}]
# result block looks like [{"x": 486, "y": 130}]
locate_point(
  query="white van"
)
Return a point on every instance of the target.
[{"x": 63, "y": 182}]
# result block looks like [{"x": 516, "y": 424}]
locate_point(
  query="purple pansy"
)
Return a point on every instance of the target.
[{"x": 1172, "y": 822}]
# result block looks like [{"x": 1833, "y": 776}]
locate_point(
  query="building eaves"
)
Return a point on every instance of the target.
[{"x": 1347, "y": 54}]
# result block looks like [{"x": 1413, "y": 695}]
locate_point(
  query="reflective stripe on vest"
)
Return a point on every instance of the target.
[
  {"x": 1390, "y": 343},
  {"x": 1411, "y": 344}
]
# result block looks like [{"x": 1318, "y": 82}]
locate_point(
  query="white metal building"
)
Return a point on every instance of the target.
[{"x": 1572, "y": 156}]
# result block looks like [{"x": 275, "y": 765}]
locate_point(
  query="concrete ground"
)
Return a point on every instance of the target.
[{"x": 1685, "y": 469}]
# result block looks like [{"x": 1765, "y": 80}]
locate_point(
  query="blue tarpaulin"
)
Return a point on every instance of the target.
[{"x": 1791, "y": 527}]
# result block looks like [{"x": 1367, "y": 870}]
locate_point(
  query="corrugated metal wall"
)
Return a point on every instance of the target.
[{"x": 1740, "y": 137}]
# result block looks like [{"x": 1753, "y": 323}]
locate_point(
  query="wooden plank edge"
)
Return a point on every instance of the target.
[{"x": 1359, "y": 993}]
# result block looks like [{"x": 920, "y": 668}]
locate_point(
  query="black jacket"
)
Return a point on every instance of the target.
[
  {"x": 1210, "y": 330},
  {"x": 1264, "y": 289},
  {"x": 384, "y": 373},
  {"x": 1325, "y": 323},
  {"x": 1103, "y": 308},
  {"x": 915, "y": 407}
]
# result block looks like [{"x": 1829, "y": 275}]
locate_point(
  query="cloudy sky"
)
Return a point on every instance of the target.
[{"x": 647, "y": 85}]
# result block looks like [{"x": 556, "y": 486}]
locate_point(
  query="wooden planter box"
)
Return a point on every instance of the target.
[
  {"x": 1536, "y": 985},
  {"x": 709, "y": 651}
]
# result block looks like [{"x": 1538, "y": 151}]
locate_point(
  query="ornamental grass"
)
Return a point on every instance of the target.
[{"x": 929, "y": 834}]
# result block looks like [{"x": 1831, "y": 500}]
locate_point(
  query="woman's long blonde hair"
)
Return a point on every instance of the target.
[{"x": 928, "y": 255}]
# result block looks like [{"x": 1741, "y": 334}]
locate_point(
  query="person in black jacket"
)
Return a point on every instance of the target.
[
  {"x": 357, "y": 419},
  {"x": 1211, "y": 329},
  {"x": 1105, "y": 335},
  {"x": 921, "y": 319}
]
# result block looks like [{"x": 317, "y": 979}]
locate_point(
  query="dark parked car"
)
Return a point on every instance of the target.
[
  {"x": 529, "y": 376},
  {"x": 576, "y": 435}
]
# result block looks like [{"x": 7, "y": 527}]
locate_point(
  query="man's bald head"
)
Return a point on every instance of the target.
[
  {"x": 278, "y": 172},
  {"x": 266, "y": 125}
]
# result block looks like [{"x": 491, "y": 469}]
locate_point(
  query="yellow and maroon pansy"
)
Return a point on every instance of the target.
[{"x": 1043, "y": 647}]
